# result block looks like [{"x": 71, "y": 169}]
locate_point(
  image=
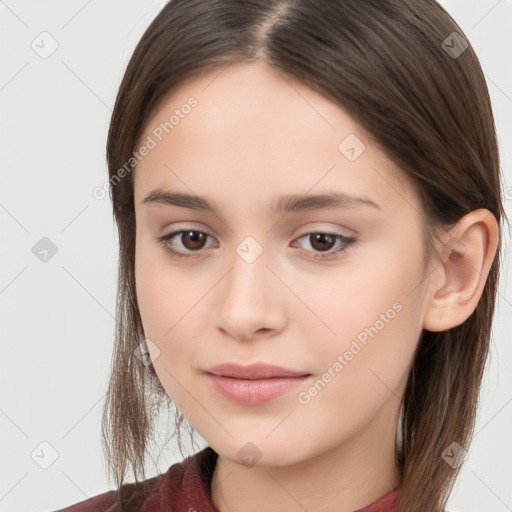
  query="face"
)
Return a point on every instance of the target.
[{"x": 331, "y": 293}]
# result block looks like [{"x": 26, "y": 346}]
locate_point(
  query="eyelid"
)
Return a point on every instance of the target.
[
  {"x": 308, "y": 231},
  {"x": 347, "y": 242}
]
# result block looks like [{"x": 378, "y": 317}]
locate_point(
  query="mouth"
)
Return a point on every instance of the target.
[
  {"x": 254, "y": 371},
  {"x": 255, "y": 384}
]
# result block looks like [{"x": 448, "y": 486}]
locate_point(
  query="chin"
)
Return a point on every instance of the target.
[{"x": 258, "y": 453}]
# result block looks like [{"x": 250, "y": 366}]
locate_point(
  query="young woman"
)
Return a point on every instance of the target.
[{"x": 308, "y": 202}]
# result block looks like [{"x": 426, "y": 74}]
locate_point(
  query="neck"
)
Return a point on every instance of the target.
[{"x": 345, "y": 478}]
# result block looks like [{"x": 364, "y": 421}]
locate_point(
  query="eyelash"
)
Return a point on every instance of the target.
[{"x": 347, "y": 242}]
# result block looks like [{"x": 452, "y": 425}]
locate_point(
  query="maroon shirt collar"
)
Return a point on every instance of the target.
[{"x": 187, "y": 487}]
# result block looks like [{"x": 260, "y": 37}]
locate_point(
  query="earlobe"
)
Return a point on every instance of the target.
[{"x": 468, "y": 251}]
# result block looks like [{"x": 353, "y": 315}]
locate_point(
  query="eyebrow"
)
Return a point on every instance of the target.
[{"x": 281, "y": 205}]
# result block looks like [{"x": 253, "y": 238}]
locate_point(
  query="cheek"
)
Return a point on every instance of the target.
[
  {"x": 166, "y": 313},
  {"x": 169, "y": 300},
  {"x": 163, "y": 304},
  {"x": 364, "y": 293},
  {"x": 365, "y": 367},
  {"x": 375, "y": 315},
  {"x": 158, "y": 292},
  {"x": 156, "y": 303}
]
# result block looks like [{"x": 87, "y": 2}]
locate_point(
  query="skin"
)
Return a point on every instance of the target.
[{"x": 255, "y": 135}]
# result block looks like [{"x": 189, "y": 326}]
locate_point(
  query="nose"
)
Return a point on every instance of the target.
[{"x": 251, "y": 299}]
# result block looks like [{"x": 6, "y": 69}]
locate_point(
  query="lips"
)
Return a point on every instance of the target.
[
  {"x": 255, "y": 384},
  {"x": 253, "y": 371}
]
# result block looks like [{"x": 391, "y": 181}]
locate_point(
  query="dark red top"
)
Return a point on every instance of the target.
[{"x": 185, "y": 487}]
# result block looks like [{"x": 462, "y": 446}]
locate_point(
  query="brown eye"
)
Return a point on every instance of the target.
[
  {"x": 190, "y": 240},
  {"x": 324, "y": 242},
  {"x": 193, "y": 240},
  {"x": 321, "y": 241}
]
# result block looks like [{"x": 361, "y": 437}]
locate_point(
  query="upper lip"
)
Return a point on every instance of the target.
[{"x": 253, "y": 371}]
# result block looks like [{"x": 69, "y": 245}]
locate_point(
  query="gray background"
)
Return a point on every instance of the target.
[{"x": 57, "y": 318}]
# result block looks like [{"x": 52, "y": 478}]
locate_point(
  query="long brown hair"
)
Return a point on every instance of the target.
[{"x": 399, "y": 70}]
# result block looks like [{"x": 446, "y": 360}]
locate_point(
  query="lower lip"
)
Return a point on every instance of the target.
[{"x": 254, "y": 391}]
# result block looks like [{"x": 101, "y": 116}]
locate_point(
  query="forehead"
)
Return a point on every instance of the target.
[{"x": 247, "y": 130}]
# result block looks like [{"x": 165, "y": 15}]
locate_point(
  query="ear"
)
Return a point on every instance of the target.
[{"x": 468, "y": 251}]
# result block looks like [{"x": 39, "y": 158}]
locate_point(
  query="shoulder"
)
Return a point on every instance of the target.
[{"x": 185, "y": 483}]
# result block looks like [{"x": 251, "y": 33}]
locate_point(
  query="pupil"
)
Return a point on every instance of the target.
[
  {"x": 195, "y": 236},
  {"x": 323, "y": 238},
  {"x": 321, "y": 241}
]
